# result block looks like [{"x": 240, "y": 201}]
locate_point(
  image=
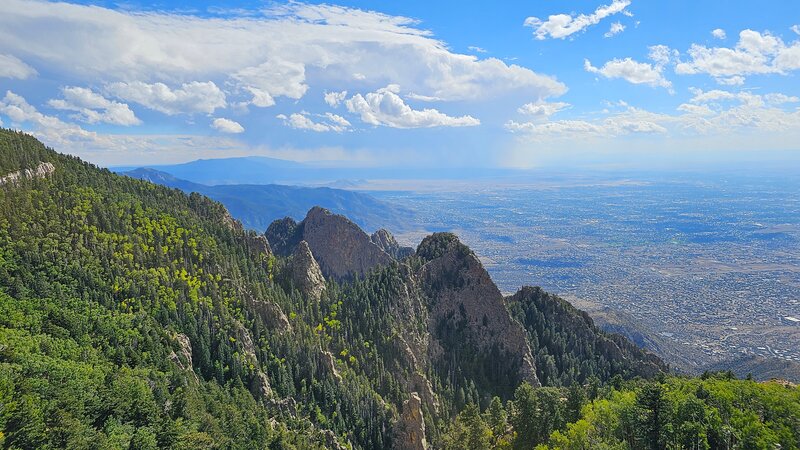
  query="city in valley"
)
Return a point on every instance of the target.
[{"x": 700, "y": 270}]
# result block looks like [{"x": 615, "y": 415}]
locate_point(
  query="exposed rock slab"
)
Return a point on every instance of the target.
[
  {"x": 272, "y": 315},
  {"x": 231, "y": 223},
  {"x": 283, "y": 235},
  {"x": 342, "y": 249},
  {"x": 409, "y": 431},
  {"x": 306, "y": 273},
  {"x": 329, "y": 364},
  {"x": 419, "y": 383},
  {"x": 259, "y": 384},
  {"x": 467, "y": 308},
  {"x": 183, "y": 358},
  {"x": 384, "y": 239},
  {"x": 258, "y": 244},
  {"x": 41, "y": 171}
]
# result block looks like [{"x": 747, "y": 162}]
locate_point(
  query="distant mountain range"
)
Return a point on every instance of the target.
[
  {"x": 257, "y": 205},
  {"x": 263, "y": 170},
  {"x": 134, "y": 316}
]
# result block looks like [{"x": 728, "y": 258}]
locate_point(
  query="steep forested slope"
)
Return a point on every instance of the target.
[
  {"x": 136, "y": 316},
  {"x": 570, "y": 347},
  {"x": 134, "y": 312}
]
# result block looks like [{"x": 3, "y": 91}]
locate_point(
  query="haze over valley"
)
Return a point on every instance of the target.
[
  {"x": 416, "y": 225},
  {"x": 703, "y": 269}
]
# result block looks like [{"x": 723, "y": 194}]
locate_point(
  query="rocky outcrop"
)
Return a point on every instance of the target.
[
  {"x": 468, "y": 312},
  {"x": 43, "y": 170},
  {"x": 183, "y": 358},
  {"x": 306, "y": 273},
  {"x": 331, "y": 441},
  {"x": 271, "y": 314},
  {"x": 286, "y": 405},
  {"x": 409, "y": 430},
  {"x": 259, "y": 384},
  {"x": 258, "y": 244},
  {"x": 342, "y": 249},
  {"x": 283, "y": 235},
  {"x": 231, "y": 223},
  {"x": 260, "y": 387},
  {"x": 419, "y": 383},
  {"x": 329, "y": 364},
  {"x": 384, "y": 239}
]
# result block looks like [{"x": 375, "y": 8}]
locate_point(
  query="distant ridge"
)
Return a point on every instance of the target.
[
  {"x": 256, "y": 206},
  {"x": 265, "y": 170}
]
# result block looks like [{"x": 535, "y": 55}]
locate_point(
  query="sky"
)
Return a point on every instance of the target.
[{"x": 591, "y": 83}]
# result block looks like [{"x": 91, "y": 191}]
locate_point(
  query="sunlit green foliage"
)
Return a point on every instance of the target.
[
  {"x": 713, "y": 412},
  {"x": 102, "y": 277}
]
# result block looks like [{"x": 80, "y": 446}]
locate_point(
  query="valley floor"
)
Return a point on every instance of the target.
[{"x": 708, "y": 268}]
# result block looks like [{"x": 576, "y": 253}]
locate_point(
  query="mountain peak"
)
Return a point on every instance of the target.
[
  {"x": 468, "y": 311},
  {"x": 151, "y": 175},
  {"x": 306, "y": 273},
  {"x": 437, "y": 244},
  {"x": 384, "y": 239},
  {"x": 340, "y": 246}
]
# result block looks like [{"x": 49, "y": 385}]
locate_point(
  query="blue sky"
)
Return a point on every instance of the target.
[{"x": 605, "y": 83}]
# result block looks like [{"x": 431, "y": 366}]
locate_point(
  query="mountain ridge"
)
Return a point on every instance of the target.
[
  {"x": 258, "y": 205},
  {"x": 133, "y": 315}
]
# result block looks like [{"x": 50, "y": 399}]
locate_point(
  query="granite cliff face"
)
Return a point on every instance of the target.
[
  {"x": 409, "y": 431},
  {"x": 258, "y": 244},
  {"x": 384, "y": 239},
  {"x": 340, "y": 247},
  {"x": 41, "y": 171},
  {"x": 183, "y": 358},
  {"x": 447, "y": 320},
  {"x": 468, "y": 316},
  {"x": 284, "y": 235},
  {"x": 306, "y": 273}
]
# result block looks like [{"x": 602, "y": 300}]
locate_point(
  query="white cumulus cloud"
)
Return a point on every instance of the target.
[
  {"x": 559, "y": 26},
  {"x": 113, "y": 149},
  {"x": 541, "y": 108},
  {"x": 631, "y": 71},
  {"x": 617, "y": 125},
  {"x": 279, "y": 51},
  {"x": 754, "y": 53},
  {"x": 715, "y": 113},
  {"x": 616, "y": 28},
  {"x": 224, "y": 125},
  {"x": 385, "y": 107},
  {"x": 13, "y": 67},
  {"x": 50, "y": 129},
  {"x": 719, "y": 33},
  {"x": 194, "y": 97},
  {"x": 92, "y": 107},
  {"x": 334, "y": 99},
  {"x": 661, "y": 54},
  {"x": 303, "y": 121}
]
